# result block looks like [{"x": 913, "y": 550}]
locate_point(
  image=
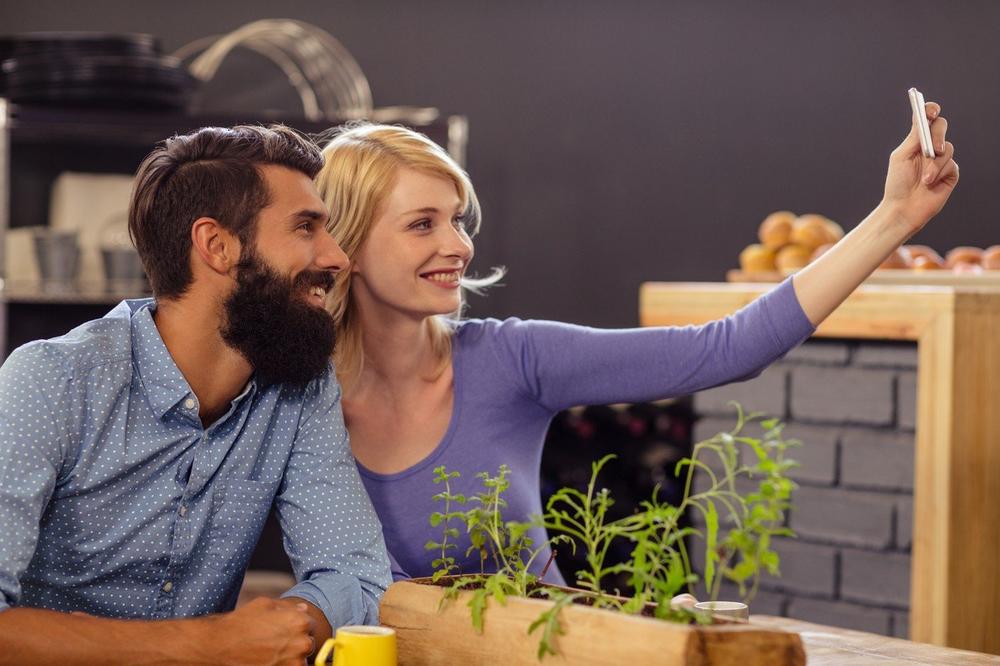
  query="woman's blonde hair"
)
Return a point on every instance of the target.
[{"x": 361, "y": 162}]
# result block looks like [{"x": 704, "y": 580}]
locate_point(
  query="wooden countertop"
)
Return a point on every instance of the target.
[
  {"x": 874, "y": 312},
  {"x": 955, "y": 573},
  {"x": 831, "y": 646}
]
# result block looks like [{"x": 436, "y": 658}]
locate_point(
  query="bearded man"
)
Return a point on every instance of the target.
[{"x": 141, "y": 453}]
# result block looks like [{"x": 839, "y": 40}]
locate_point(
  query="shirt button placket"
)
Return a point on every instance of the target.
[{"x": 165, "y": 600}]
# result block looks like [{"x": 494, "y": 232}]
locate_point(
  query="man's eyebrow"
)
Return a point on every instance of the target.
[{"x": 309, "y": 214}]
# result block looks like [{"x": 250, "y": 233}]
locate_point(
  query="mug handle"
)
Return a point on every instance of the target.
[{"x": 325, "y": 651}]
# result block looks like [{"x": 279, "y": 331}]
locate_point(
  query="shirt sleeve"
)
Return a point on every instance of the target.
[
  {"x": 32, "y": 446},
  {"x": 332, "y": 534},
  {"x": 562, "y": 365}
]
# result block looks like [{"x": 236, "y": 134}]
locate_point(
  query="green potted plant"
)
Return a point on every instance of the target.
[{"x": 484, "y": 618}]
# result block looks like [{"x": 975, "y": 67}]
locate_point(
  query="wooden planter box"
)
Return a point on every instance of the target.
[{"x": 428, "y": 637}]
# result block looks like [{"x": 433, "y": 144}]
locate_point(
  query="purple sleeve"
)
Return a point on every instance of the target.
[
  {"x": 561, "y": 365},
  {"x": 398, "y": 573}
]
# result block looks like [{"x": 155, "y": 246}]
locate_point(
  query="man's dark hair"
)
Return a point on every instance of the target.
[{"x": 212, "y": 172}]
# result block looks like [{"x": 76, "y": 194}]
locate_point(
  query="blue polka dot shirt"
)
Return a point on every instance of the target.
[{"x": 116, "y": 501}]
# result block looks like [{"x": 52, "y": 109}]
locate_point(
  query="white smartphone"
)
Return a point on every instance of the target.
[{"x": 923, "y": 127}]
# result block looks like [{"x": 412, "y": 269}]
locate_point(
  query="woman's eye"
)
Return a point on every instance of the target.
[
  {"x": 461, "y": 222},
  {"x": 421, "y": 225}
]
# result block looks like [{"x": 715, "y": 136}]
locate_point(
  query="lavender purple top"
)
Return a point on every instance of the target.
[{"x": 511, "y": 377}]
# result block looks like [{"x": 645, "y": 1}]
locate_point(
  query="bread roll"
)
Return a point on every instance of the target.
[
  {"x": 820, "y": 251},
  {"x": 811, "y": 231},
  {"x": 792, "y": 257},
  {"x": 991, "y": 258},
  {"x": 834, "y": 231},
  {"x": 966, "y": 268},
  {"x": 900, "y": 258},
  {"x": 757, "y": 259},
  {"x": 917, "y": 251},
  {"x": 963, "y": 254},
  {"x": 776, "y": 230},
  {"x": 926, "y": 262}
]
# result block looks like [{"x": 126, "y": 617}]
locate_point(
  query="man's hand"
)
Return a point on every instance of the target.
[{"x": 264, "y": 632}]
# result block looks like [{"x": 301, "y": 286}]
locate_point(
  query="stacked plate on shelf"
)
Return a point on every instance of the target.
[{"x": 120, "y": 71}]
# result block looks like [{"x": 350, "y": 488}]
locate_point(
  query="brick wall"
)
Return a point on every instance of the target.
[{"x": 852, "y": 403}]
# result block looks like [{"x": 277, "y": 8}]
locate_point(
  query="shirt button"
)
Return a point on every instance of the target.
[
  {"x": 189, "y": 403},
  {"x": 183, "y": 511},
  {"x": 167, "y": 586}
]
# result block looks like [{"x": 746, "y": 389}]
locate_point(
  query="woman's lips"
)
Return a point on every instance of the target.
[{"x": 445, "y": 279}]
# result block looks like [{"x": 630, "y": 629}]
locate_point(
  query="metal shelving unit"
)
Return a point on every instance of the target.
[{"x": 45, "y": 141}]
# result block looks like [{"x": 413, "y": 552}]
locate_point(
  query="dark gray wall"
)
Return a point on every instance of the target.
[{"x": 617, "y": 142}]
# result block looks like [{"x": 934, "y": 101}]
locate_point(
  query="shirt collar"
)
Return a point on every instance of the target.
[{"x": 165, "y": 385}]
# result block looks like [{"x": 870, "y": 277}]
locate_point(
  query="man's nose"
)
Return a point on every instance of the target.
[{"x": 330, "y": 257}]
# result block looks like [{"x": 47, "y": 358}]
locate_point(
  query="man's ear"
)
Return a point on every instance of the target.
[{"x": 214, "y": 245}]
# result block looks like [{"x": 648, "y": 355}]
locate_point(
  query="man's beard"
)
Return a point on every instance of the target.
[{"x": 269, "y": 322}]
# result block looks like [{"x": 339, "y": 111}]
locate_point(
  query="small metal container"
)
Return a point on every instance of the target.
[
  {"x": 58, "y": 255},
  {"x": 123, "y": 271}
]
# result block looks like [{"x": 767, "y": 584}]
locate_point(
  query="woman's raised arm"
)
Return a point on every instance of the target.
[{"x": 916, "y": 188}]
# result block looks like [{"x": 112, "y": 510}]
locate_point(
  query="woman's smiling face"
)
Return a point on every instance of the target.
[{"x": 417, "y": 250}]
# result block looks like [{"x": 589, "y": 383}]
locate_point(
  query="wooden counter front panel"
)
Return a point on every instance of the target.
[{"x": 955, "y": 585}]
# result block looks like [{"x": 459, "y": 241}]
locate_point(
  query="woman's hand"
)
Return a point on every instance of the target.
[{"x": 917, "y": 187}]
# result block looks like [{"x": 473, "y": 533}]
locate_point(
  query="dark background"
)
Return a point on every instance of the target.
[{"x": 618, "y": 142}]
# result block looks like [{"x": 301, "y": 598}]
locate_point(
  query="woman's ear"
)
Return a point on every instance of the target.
[
  {"x": 355, "y": 265},
  {"x": 214, "y": 245}
]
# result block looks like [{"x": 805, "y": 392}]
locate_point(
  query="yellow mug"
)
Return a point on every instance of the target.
[{"x": 360, "y": 646}]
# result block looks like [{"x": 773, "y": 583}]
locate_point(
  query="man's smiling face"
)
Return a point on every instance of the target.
[{"x": 275, "y": 315}]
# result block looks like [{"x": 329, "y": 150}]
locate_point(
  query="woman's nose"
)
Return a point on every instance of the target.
[{"x": 457, "y": 243}]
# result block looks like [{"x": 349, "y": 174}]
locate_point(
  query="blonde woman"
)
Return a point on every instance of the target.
[{"x": 422, "y": 387}]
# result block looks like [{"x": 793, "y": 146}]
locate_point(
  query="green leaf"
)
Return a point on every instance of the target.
[
  {"x": 494, "y": 586},
  {"x": 742, "y": 571},
  {"x": 711, "y": 536},
  {"x": 478, "y": 605}
]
